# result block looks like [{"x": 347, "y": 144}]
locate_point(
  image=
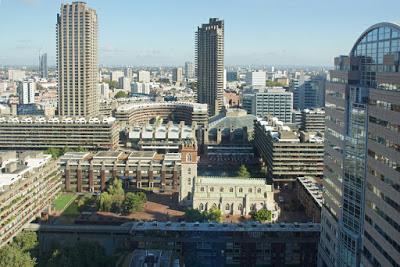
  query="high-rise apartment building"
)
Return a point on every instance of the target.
[
  {"x": 116, "y": 74},
  {"x": 361, "y": 214},
  {"x": 77, "y": 60},
  {"x": 177, "y": 75},
  {"x": 189, "y": 70},
  {"x": 16, "y": 75},
  {"x": 43, "y": 70},
  {"x": 26, "y": 92},
  {"x": 210, "y": 65},
  {"x": 143, "y": 76},
  {"x": 256, "y": 78}
]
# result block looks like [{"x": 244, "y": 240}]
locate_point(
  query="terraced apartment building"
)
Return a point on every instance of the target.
[
  {"x": 24, "y": 133},
  {"x": 28, "y": 185}
]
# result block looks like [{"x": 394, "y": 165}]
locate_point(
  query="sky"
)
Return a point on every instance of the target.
[{"x": 161, "y": 32}]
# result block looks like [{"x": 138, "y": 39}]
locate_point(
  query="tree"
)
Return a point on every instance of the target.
[
  {"x": 121, "y": 94},
  {"x": 105, "y": 201},
  {"x": 133, "y": 202},
  {"x": 11, "y": 256},
  {"x": 243, "y": 172},
  {"x": 193, "y": 215},
  {"x": 116, "y": 187},
  {"x": 213, "y": 215},
  {"x": 261, "y": 215},
  {"x": 25, "y": 241}
]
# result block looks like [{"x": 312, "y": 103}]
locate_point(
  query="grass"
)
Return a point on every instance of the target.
[{"x": 61, "y": 202}]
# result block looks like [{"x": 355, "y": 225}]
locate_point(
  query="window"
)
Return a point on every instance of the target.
[
  {"x": 240, "y": 207},
  {"x": 189, "y": 181},
  {"x": 259, "y": 190},
  {"x": 231, "y": 189},
  {"x": 201, "y": 206},
  {"x": 189, "y": 157},
  {"x": 227, "y": 207},
  {"x": 211, "y": 189},
  {"x": 250, "y": 190},
  {"x": 202, "y": 189},
  {"x": 214, "y": 206},
  {"x": 190, "y": 171},
  {"x": 221, "y": 189},
  {"x": 240, "y": 190}
]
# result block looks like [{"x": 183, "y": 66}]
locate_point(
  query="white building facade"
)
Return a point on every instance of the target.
[{"x": 233, "y": 195}]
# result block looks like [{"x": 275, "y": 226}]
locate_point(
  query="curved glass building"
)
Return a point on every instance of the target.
[{"x": 361, "y": 213}]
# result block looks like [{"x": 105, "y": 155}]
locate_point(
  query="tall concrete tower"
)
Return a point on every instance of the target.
[
  {"x": 77, "y": 60},
  {"x": 210, "y": 65}
]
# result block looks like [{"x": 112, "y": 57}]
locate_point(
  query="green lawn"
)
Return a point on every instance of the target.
[{"x": 63, "y": 200}]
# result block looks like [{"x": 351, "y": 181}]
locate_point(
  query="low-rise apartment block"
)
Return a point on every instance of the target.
[{"x": 288, "y": 154}]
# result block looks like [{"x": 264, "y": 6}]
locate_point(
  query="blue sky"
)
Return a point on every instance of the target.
[{"x": 161, "y": 32}]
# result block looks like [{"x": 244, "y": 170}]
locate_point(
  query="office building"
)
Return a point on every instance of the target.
[
  {"x": 288, "y": 154},
  {"x": 313, "y": 120},
  {"x": 295, "y": 87},
  {"x": 360, "y": 215},
  {"x": 232, "y": 76},
  {"x": 189, "y": 70},
  {"x": 263, "y": 102},
  {"x": 77, "y": 60},
  {"x": 256, "y": 78},
  {"x": 43, "y": 69},
  {"x": 143, "y": 76},
  {"x": 16, "y": 75},
  {"x": 177, "y": 75},
  {"x": 26, "y": 92},
  {"x": 29, "y": 183},
  {"x": 210, "y": 65},
  {"x": 23, "y": 133}
]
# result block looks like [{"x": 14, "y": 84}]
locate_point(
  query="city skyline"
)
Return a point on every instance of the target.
[{"x": 125, "y": 40}]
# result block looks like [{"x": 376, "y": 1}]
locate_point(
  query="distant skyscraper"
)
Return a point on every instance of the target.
[
  {"x": 361, "y": 211},
  {"x": 77, "y": 60},
  {"x": 210, "y": 65},
  {"x": 26, "y": 92},
  {"x": 43, "y": 70},
  {"x": 189, "y": 70},
  {"x": 177, "y": 75}
]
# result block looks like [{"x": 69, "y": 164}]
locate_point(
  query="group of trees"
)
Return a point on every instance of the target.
[
  {"x": 56, "y": 152},
  {"x": 270, "y": 83},
  {"x": 121, "y": 94},
  {"x": 212, "y": 215},
  {"x": 21, "y": 252},
  {"x": 115, "y": 199},
  {"x": 262, "y": 215}
]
